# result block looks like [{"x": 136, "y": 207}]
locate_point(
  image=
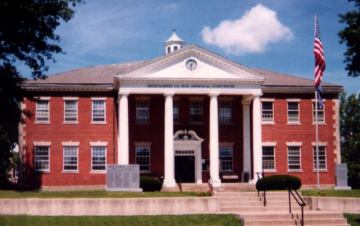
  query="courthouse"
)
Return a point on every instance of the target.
[{"x": 188, "y": 116}]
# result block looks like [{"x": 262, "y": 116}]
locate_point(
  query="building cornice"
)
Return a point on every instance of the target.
[
  {"x": 300, "y": 89},
  {"x": 32, "y": 87}
]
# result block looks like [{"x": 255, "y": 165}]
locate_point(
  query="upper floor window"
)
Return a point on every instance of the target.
[
  {"x": 142, "y": 157},
  {"x": 268, "y": 158},
  {"x": 293, "y": 112},
  {"x": 322, "y": 158},
  {"x": 70, "y": 110},
  {"x": 176, "y": 112},
  {"x": 142, "y": 111},
  {"x": 42, "y": 113},
  {"x": 320, "y": 113},
  {"x": 42, "y": 158},
  {"x": 226, "y": 158},
  {"x": 70, "y": 156},
  {"x": 294, "y": 158},
  {"x": 267, "y": 111},
  {"x": 98, "y": 111},
  {"x": 98, "y": 158},
  {"x": 225, "y": 112},
  {"x": 196, "y": 111}
]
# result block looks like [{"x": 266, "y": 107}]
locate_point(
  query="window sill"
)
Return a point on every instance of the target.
[
  {"x": 293, "y": 123},
  {"x": 98, "y": 123},
  {"x": 321, "y": 171},
  {"x": 268, "y": 123},
  {"x": 270, "y": 171},
  {"x": 295, "y": 171},
  {"x": 98, "y": 171},
  {"x": 40, "y": 122},
  {"x": 70, "y": 171},
  {"x": 67, "y": 123},
  {"x": 319, "y": 123}
]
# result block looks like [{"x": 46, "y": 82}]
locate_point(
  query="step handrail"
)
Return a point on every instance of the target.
[{"x": 299, "y": 201}]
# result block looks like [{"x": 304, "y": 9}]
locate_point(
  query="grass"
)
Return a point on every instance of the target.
[
  {"x": 353, "y": 219},
  {"x": 333, "y": 193},
  {"x": 185, "y": 220},
  {"x": 10, "y": 194}
]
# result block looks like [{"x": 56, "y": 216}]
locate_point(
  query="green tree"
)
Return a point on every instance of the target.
[
  {"x": 27, "y": 37},
  {"x": 350, "y": 136},
  {"x": 350, "y": 35}
]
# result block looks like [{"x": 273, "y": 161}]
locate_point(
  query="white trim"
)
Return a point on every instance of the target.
[
  {"x": 267, "y": 99},
  {"x": 49, "y": 160},
  {"x": 269, "y": 143},
  {"x": 319, "y": 110},
  {"x": 77, "y": 158},
  {"x": 77, "y": 112},
  {"x": 300, "y": 157},
  {"x": 43, "y": 98},
  {"x": 48, "y": 110},
  {"x": 70, "y": 98},
  {"x": 98, "y": 143},
  {"x": 293, "y": 100},
  {"x": 298, "y": 122},
  {"x": 70, "y": 143},
  {"x": 42, "y": 143},
  {"x": 294, "y": 143},
  {"x": 98, "y": 98},
  {"x": 319, "y": 143},
  {"x": 326, "y": 160},
  {"x": 272, "y": 122},
  {"x": 92, "y": 110},
  {"x": 313, "y": 100}
]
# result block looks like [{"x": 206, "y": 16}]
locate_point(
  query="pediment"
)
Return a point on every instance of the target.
[{"x": 209, "y": 66}]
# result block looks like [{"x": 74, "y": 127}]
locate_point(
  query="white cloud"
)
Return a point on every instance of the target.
[{"x": 251, "y": 33}]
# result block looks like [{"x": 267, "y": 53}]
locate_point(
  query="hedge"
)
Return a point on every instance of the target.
[
  {"x": 148, "y": 183},
  {"x": 278, "y": 182}
]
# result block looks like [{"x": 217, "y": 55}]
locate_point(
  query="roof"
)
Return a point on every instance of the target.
[{"x": 174, "y": 38}]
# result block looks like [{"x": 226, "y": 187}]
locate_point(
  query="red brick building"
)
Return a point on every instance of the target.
[{"x": 188, "y": 116}]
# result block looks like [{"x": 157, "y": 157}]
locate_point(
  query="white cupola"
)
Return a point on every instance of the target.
[{"x": 173, "y": 43}]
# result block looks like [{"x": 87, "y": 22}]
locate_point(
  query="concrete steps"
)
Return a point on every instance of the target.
[{"x": 276, "y": 213}]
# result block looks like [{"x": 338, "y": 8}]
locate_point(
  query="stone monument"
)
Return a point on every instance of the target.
[
  {"x": 123, "y": 178},
  {"x": 342, "y": 177}
]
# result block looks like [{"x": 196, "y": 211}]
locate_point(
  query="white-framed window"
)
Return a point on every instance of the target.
[
  {"x": 294, "y": 158},
  {"x": 268, "y": 158},
  {"x": 42, "y": 112},
  {"x": 196, "y": 111},
  {"x": 267, "y": 111},
  {"x": 322, "y": 158},
  {"x": 225, "y": 111},
  {"x": 176, "y": 111},
  {"x": 70, "y": 111},
  {"x": 226, "y": 157},
  {"x": 98, "y": 111},
  {"x": 42, "y": 158},
  {"x": 293, "y": 112},
  {"x": 320, "y": 112},
  {"x": 70, "y": 158},
  {"x": 98, "y": 158},
  {"x": 142, "y": 111},
  {"x": 142, "y": 156}
]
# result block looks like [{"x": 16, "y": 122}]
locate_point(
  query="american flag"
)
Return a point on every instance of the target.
[{"x": 319, "y": 56}]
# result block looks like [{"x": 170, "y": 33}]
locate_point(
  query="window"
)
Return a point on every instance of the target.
[
  {"x": 267, "y": 111},
  {"x": 42, "y": 158},
  {"x": 142, "y": 111},
  {"x": 322, "y": 157},
  {"x": 98, "y": 158},
  {"x": 321, "y": 115},
  {"x": 225, "y": 112},
  {"x": 268, "y": 158},
  {"x": 70, "y": 158},
  {"x": 176, "y": 112},
  {"x": 293, "y": 112},
  {"x": 196, "y": 111},
  {"x": 226, "y": 158},
  {"x": 42, "y": 111},
  {"x": 175, "y": 48},
  {"x": 98, "y": 111},
  {"x": 142, "y": 157},
  {"x": 70, "y": 110},
  {"x": 294, "y": 158}
]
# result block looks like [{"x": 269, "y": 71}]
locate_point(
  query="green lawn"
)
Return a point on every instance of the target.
[
  {"x": 90, "y": 194},
  {"x": 185, "y": 220},
  {"x": 333, "y": 193},
  {"x": 353, "y": 219}
]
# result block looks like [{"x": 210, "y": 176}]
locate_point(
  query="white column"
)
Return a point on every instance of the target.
[
  {"x": 198, "y": 165},
  {"x": 246, "y": 137},
  {"x": 257, "y": 147},
  {"x": 214, "y": 142},
  {"x": 169, "y": 177},
  {"x": 123, "y": 139}
]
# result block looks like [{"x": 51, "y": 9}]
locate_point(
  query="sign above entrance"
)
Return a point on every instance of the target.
[{"x": 216, "y": 86}]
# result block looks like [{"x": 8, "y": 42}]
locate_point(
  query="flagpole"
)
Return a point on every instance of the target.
[{"x": 317, "y": 140}]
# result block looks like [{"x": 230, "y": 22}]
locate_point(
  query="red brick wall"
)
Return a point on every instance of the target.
[
  {"x": 281, "y": 133},
  {"x": 57, "y": 132}
]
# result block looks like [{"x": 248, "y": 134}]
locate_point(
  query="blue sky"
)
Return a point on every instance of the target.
[{"x": 270, "y": 34}]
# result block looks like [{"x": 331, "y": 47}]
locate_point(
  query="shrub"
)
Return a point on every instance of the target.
[
  {"x": 148, "y": 183},
  {"x": 278, "y": 182}
]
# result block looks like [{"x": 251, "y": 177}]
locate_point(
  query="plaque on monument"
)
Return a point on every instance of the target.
[
  {"x": 123, "y": 178},
  {"x": 341, "y": 177}
]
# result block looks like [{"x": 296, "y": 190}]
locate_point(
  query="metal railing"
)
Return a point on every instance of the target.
[{"x": 299, "y": 201}]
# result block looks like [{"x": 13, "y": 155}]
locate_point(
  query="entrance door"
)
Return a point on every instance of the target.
[{"x": 185, "y": 169}]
